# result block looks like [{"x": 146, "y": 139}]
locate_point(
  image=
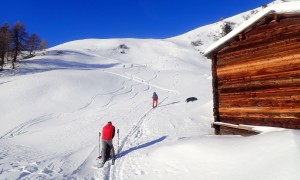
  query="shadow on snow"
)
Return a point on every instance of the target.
[
  {"x": 124, "y": 153},
  {"x": 32, "y": 66},
  {"x": 38, "y": 66},
  {"x": 169, "y": 104}
]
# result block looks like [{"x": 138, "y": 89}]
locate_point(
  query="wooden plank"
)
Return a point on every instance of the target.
[
  {"x": 294, "y": 115},
  {"x": 261, "y": 103},
  {"x": 260, "y": 49},
  {"x": 272, "y": 28},
  {"x": 260, "y": 109},
  {"x": 267, "y": 68},
  {"x": 283, "y": 59},
  {"x": 276, "y": 82},
  {"x": 266, "y": 93},
  {"x": 270, "y": 32},
  {"x": 278, "y": 97},
  {"x": 288, "y": 59},
  {"x": 234, "y": 131},
  {"x": 260, "y": 85},
  {"x": 259, "y": 120},
  {"x": 260, "y": 52},
  {"x": 253, "y": 92},
  {"x": 227, "y": 80},
  {"x": 283, "y": 122},
  {"x": 248, "y": 45},
  {"x": 233, "y": 98},
  {"x": 215, "y": 91},
  {"x": 243, "y": 75}
]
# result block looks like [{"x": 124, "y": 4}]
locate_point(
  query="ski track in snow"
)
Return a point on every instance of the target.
[
  {"x": 137, "y": 136},
  {"x": 116, "y": 171},
  {"x": 27, "y": 165},
  {"x": 135, "y": 133},
  {"x": 110, "y": 171},
  {"x": 95, "y": 96},
  {"x": 130, "y": 77},
  {"x": 134, "y": 78},
  {"x": 20, "y": 129}
]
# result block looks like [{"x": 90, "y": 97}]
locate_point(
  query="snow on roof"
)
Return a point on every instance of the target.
[{"x": 282, "y": 8}]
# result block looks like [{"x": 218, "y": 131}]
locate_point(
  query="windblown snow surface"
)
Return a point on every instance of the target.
[{"x": 53, "y": 106}]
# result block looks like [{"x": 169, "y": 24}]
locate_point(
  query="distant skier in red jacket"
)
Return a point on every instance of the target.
[
  {"x": 108, "y": 133},
  {"x": 155, "y": 99}
]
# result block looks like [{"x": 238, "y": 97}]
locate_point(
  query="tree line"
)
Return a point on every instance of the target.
[{"x": 15, "y": 41}]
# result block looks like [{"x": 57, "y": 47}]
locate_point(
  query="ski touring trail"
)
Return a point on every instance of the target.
[{"x": 134, "y": 140}]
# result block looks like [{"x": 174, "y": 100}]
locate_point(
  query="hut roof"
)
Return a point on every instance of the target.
[{"x": 282, "y": 8}]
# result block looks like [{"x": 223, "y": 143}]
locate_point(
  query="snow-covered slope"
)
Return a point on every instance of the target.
[{"x": 53, "y": 106}]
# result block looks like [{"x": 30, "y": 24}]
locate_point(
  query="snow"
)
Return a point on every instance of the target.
[
  {"x": 282, "y": 8},
  {"x": 53, "y": 106}
]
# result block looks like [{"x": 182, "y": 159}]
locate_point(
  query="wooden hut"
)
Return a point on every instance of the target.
[{"x": 256, "y": 71}]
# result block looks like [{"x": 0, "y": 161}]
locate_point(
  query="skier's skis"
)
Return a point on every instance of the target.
[{"x": 109, "y": 157}]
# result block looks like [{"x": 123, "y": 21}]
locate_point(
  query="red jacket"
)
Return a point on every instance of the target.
[{"x": 108, "y": 131}]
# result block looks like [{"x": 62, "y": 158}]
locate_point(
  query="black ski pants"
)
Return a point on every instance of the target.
[{"x": 107, "y": 144}]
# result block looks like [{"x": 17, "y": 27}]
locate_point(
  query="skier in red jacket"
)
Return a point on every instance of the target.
[{"x": 108, "y": 133}]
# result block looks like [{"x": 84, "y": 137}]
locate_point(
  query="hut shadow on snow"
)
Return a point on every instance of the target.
[{"x": 124, "y": 153}]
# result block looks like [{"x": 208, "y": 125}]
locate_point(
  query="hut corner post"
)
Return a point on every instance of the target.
[{"x": 215, "y": 92}]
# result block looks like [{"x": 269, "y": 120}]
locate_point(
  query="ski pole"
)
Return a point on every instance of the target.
[
  {"x": 99, "y": 143},
  {"x": 118, "y": 140}
]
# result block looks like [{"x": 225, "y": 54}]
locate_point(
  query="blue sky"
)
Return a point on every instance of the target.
[{"x": 61, "y": 21}]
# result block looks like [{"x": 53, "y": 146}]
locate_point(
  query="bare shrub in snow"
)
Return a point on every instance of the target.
[
  {"x": 254, "y": 11},
  {"x": 216, "y": 37},
  {"x": 59, "y": 53},
  {"x": 123, "y": 48},
  {"x": 226, "y": 28},
  {"x": 43, "y": 45},
  {"x": 33, "y": 44},
  {"x": 246, "y": 17},
  {"x": 197, "y": 43}
]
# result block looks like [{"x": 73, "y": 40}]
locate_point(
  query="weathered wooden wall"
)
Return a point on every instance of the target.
[
  {"x": 259, "y": 77},
  {"x": 232, "y": 131}
]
